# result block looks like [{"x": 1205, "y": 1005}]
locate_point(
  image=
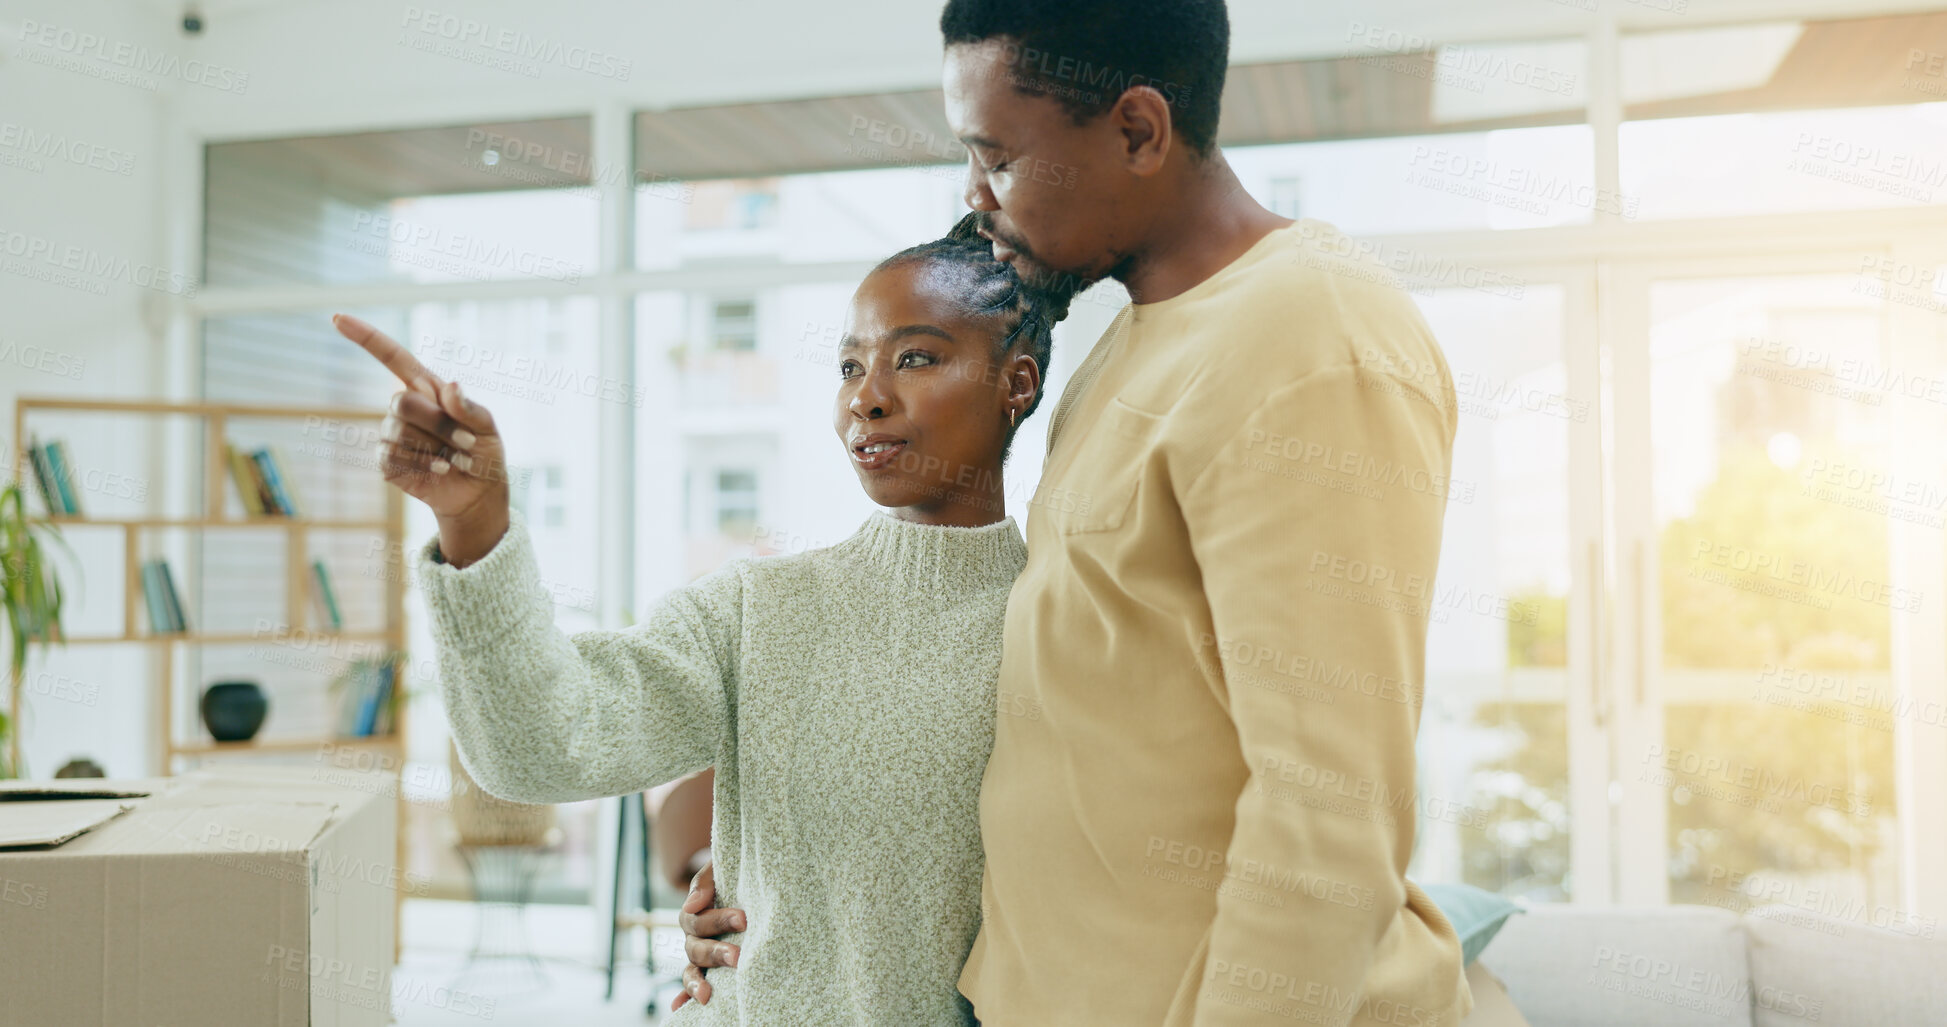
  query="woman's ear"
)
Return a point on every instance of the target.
[{"x": 1023, "y": 379}]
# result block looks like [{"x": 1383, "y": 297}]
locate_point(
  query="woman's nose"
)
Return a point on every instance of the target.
[{"x": 872, "y": 398}]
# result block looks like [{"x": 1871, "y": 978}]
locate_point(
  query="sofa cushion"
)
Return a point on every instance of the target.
[
  {"x": 1675, "y": 966},
  {"x": 1879, "y": 967}
]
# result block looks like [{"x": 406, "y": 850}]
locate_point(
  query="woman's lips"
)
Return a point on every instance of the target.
[{"x": 880, "y": 460}]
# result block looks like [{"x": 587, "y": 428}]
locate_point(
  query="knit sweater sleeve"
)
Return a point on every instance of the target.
[{"x": 541, "y": 716}]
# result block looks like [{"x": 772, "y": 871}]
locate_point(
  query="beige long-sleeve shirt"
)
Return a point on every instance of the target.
[{"x": 1200, "y": 804}]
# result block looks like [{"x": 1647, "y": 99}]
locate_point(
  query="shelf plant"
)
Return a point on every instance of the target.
[{"x": 32, "y": 587}]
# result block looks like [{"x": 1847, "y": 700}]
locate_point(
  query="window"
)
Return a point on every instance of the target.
[
  {"x": 737, "y": 206},
  {"x": 1495, "y": 806},
  {"x": 553, "y": 511},
  {"x": 734, "y": 325},
  {"x": 444, "y": 204},
  {"x": 1786, "y": 117},
  {"x": 449, "y": 205},
  {"x": 1584, "y": 630},
  {"x": 1774, "y": 501},
  {"x": 1284, "y": 197},
  {"x": 1766, "y": 163},
  {"x": 736, "y": 501},
  {"x": 1502, "y": 180}
]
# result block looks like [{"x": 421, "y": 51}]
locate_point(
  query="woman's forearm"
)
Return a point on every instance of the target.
[{"x": 542, "y": 716}]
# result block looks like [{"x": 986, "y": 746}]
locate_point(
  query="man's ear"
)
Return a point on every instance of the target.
[{"x": 1142, "y": 118}]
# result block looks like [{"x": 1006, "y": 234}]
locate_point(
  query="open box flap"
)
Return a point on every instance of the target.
[{"x": 55, "y": 820}]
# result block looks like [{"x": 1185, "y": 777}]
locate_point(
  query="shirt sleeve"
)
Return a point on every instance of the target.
[
  {"x": 1316, "y": 527},
  {"x": 541, "y": 716}
]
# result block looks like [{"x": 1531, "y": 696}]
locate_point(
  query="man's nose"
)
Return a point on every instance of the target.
[{"x": 978, "y": 196}]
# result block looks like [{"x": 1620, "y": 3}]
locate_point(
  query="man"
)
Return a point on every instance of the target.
[{"x": 1200, "y": 804}]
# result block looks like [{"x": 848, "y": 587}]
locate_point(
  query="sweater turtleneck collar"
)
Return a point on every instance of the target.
[{"x": 943, "y": 556}]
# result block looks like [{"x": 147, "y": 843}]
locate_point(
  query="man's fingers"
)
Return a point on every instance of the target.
[
  {"x": 716, "y": 923},
  {"x": 695, "y": 985},
  {"x": 395, "y": 357},
  {"x": 699, "y": 951},
  {"x": 703, "y": 890},
  {"x": 704, "y": 952}
]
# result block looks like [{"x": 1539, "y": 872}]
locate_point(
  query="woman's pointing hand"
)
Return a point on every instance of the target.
[{"x": 440, "y": 448}]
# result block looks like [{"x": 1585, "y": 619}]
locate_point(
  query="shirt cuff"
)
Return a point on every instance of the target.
[{"x": 487, "y": 598}]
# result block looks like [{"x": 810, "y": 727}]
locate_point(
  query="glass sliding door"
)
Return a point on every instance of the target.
[
  {"x": 1507, "y": 636},
  {"x": 1760, "y": 765}
]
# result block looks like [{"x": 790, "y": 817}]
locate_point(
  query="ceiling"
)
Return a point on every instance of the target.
[{"x": 1827, "y": 64}]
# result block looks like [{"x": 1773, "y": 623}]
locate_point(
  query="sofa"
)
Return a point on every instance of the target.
[{"x": 1701, "y": 966}]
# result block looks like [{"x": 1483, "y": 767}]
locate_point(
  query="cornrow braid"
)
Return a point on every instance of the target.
[{"x": 991, "y": 288}]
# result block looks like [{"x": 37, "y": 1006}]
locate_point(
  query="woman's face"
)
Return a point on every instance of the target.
[{"x": 923, "y": 398}]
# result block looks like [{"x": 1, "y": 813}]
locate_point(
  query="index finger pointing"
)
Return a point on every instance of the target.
[{"x": 395, "y": 357}]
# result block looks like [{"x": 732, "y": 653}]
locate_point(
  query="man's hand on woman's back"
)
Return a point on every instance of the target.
[{"x": 701, "y": 925}]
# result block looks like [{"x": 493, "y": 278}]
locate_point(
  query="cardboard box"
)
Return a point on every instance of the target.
[{"x": 256, "y": 895}]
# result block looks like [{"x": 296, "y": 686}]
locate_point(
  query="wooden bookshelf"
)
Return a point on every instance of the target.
[{"x": 214, "y": 491}]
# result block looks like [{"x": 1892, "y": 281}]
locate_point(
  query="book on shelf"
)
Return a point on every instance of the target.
[
  {"x": 280, "y": 496},
  {"x": 387, "y": 707},
  {"x": 43, "y": 475},
  {"x": 163, "y": 602},
  {"x": 152, "y": 597},
  {"x": 57, "y": 452},
  {"x": 262, "y": 482},
  {"x": 294, "y": 503},
  {"x": 250, "y": 484},
  {"x": 54, "y": 473},
  {"x": 323, "y": 598},
  {"x": 175, "y": 598},
  {"x": 367, "y": 707}
]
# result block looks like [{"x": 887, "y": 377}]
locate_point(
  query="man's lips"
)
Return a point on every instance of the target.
[{"x": 1002, "y": 251}]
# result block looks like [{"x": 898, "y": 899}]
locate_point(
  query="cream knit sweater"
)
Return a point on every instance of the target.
[{"x": 846, "y": 696}]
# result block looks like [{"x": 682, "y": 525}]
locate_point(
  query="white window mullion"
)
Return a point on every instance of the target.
[
  {"x": 614, "y": 161},
  {"x": 1636, "y": 730},
  {"x": 1589, "y": 707},
  {"x": 1917, "y": 552},
  {"x": 614, "y": 155}
]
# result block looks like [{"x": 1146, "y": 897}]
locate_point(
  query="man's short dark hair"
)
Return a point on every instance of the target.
[{"x": 1086, "y": 53}]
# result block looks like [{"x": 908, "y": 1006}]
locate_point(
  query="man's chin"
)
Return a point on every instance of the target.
[{"x": 1036, "y": 275}]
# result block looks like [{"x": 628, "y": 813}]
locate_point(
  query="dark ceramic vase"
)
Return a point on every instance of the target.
[
  {"x": 80, "y": 766},
  {"x": 234, "y": 710}
]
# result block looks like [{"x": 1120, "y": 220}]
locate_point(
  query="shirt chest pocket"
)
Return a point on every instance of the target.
[{"x": 1098, "y": 486}]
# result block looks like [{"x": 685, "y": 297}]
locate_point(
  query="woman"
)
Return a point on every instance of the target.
[{"x": 845, "y": 695}]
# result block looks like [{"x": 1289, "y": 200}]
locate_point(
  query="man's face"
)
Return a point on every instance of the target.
[{"x": 1054, "y": 192}]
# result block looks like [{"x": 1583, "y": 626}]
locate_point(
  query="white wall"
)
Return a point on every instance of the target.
[{"x": 94, "y": 333}]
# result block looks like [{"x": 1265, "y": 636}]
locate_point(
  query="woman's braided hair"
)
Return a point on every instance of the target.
[{"x": 1026, "y": 315}]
